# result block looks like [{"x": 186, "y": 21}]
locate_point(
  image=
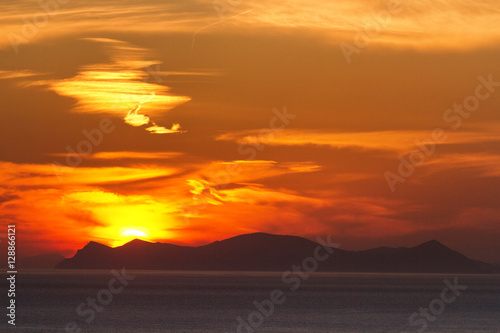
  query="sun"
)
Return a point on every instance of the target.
[
  {"x": 133, "y": 233},
  {"x": 125, "y": 235}
]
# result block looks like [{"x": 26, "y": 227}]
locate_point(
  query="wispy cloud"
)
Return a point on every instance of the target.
[
  {"x": 486, "y": 165},
  {"x": 95, "y": 17},
  {"x": 155, "y": 129},
  {"x": 420, "y": 23},
  {"x": 36, "y": 175},
  {"x": 134, "y": 118},
  {"x": 395, "y": 140},
  {"x": 116, "y": 155},
  {"x": 119, "y": 87},
  {"x": 6, "y": 75},
  {"x": 437, "y": 24}
]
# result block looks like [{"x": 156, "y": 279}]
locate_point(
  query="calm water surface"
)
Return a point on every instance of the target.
[{"x": 195, "y": 302}]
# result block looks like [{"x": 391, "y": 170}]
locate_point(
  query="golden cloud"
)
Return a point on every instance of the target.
[
  {"x": 396, "y": 140},
  {"x": 119, "y": 87}
]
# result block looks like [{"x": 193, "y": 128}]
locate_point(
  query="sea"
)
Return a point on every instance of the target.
[{"x": 197, "y": 302}]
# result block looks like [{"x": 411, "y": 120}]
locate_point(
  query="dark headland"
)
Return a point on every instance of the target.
[{"x": 267, "y": 252}]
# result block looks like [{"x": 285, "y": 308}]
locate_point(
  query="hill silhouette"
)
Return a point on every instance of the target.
[{"x": 268, "y": 252}]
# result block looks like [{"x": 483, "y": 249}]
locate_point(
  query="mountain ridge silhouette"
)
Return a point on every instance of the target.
[{"x": 269, "y": 252}]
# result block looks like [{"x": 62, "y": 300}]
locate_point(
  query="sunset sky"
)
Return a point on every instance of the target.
[{"x": 190, "y": 122}]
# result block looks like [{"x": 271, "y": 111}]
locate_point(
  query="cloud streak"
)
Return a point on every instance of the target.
[
  {"x": 399, "y": 141},
  {"x": 442, "y": 24}
]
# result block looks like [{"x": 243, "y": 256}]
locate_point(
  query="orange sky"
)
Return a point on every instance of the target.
[{"x": 191, "y": 123}]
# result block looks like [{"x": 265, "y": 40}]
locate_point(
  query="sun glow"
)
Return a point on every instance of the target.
[
  {"x": 127, "y": 234},
  {"x": 133, "y": 233}
]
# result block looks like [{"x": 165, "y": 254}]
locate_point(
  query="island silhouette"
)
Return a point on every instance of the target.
[{"x": 269, "y": 252}]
